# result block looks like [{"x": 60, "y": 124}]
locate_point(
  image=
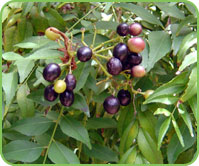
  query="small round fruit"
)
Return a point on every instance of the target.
[
  {"x": 135, "y": 29},
  {"x": 70, "y": 82},
  {"x": 126, "y": 65},
  {"x": 51, "y": 72},
  {"x": 122, "y": 29},
  {"x": 138, "y": 71},
  {"x": 134, "y": 58},
  {"x": 52, "y": 35},
  {"x": 114, "y": 66},
  {"x": 120, "y": 51},
  {"x": 60, "y": 86},
  {"x": 136, "y": 44},
  {"x": 124, "y": 97},
  {"x": 111, "y": 105},
  {"x": 148, "y": 93},
  {"x": 84, "y": 54},
  {"x": 67, "y": 98},
  {"x": 50, "y": 94}
]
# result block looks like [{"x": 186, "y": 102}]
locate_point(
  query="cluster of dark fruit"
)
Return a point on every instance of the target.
[
  {"x": 64, "y": 87},
  {"x": 126, "y": 58}
]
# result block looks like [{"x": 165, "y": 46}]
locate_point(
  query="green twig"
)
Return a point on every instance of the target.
[
  {"x": 53, "y": 134},
  {"x": 101, "y": 56}
]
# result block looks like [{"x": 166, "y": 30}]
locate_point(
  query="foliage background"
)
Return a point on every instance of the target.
[{"x": 95, "y": 137}]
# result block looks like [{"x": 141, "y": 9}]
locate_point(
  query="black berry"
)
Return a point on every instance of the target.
[
  {"x": 51, "y": 72},
  {"x": 122, "y": 29},
  {"x": 114, "y": 66},
  {"x": 50, "y": 94},
  {"x": 111, "y": 105},
  {"x": 70, "y": 82},
  {"x": 84, "y": 54},
  {"x": 67, "y": 98},
  {"x": 134, "y": 58},
  {"x": 124, "y": 97},
  {"x": 120, "y": 51}
]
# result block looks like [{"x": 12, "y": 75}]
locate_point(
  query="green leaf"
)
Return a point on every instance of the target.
[
  {"x": 5, "y": 13},
  {"x": 11, "y": 56},
  {"x": 22, "y": 150},
  {"x": 60, "y": 154},
  {"x": 159, "y": 46},
  {"x": 191, "y": 89},
  {"x": 68, "y": 17},
  {"x": 13, "y": 135},
  {"x": 193, "y": 104},
  {"x": 99, "y": 123},
  {"x": 177, "y": 40},
  {"x": 57, "y": 16},
  {"x": 26, "y": 45},
  {"x": 38, "y": 97},
  {"x": 163, "y": 130},
  {"x": 45, "y": 54},
  {"x": 27, "y": 6},
  {"x": 24, "y": 68},
  {"x": 187, "y": 42},
  {"x": 163, "y": 111},
  {"x": 75, "y": 129},
  {"x": 141, "y": 12},
  {"x": 101, "y": 152},
  {"x": 129, "y": 157},
  {"x": 175, "y": 125},
  {"x": 26, "y": 105},
  {"x": 186, "y": 117},
  {"x": 125, "y": 118},
  {"x": 186, "y": 21},
  {"x": 140, "y": 159},
  {"x": 170, "y": 9},
  {"x": 176, "y": 85},
  {"x": 81, "y": 104},
  {"x": 148, "y": 147},
  {"x": 9, "y": 85},
  {"x": 147, "y": 122},
  {"x": 32, "y": 126},
  {"x": 191, "y": 8},
  {"x": 110, "y": 25},
  {"x": 175, "y": 148},
  {"x": 188, "y": 60},
  {"x": 81, "y": 74}
]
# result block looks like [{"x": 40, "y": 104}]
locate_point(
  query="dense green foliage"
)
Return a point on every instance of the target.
[{"x": 158, "y": 128}]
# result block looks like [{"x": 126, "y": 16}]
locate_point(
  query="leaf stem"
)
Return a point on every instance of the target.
[
  {"x": 108, "y": 48},
  {"x": 53, "y": 134},
  {"x": 82, "y": 18},
  {"x": 101, "y": 56},
  {"x": 102, "y": 67},
  {"x": 94, "y": 37}
]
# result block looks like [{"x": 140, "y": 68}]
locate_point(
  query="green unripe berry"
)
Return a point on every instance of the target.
[
  {"x": 52, "y": 35},
  {"x": 60, "y": 86}
]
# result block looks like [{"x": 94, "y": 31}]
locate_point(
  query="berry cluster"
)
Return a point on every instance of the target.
[
  {"x": 126, "y": 58},
  {"x": 64, "y": 87}
]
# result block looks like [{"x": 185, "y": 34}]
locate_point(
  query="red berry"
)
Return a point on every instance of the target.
[
  {"x": 124, "y": 97},
  {"x": 114, "y": 66},
  {"x": 84, "y": 54},
  {"x": 70, "y": 82},
  {"x": 138, "y": 71},
  {"x": 135, "y": 29},
  {"x": 120, "y": 51},
  {"x": 111, "y": 105},
  {"x": 122, "y": 29},
  {"x": 136, "y": 44},
  {"x": 67, "y": 98},
  {"x": 50, "y": 94},
  {"x": 51, "y": 72}
]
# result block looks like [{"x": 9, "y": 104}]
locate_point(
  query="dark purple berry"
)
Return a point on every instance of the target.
[
  {"x": 49, "y": 93},
  {"x": 70, "y": 82},
  {"x": 120, "y": 51},
  {"x": 124, "y": 97},
  {"x": 114, "y": 66},
  {"x": 122, "y": 29},
  {"x": 111, "y": 105},
  {"x": 51, "y": 72},
  {"x": 84, "y": 54},
  {"x": 67, "y": 98},
  {"x": 134, "y": 58}
]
